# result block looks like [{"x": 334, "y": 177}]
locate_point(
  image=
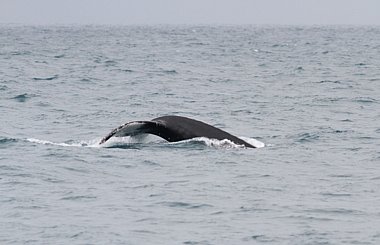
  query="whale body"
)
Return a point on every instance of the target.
[{"x": 173, "y": 129}]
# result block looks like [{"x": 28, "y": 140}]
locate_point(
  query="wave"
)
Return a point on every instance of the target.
[{"x": 45, "y": 78}]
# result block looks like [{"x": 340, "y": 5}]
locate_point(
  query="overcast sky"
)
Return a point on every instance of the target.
[{"x": 127, "y": 12}]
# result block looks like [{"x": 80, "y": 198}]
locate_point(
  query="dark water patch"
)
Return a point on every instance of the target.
[
  {"x": 10, "y": 168},
  {"x": 127, "y": 70},
  {"x": 23, "y": 97},
  {"x": 107, "y": 156},
  {"x": 6, "y": 142},
  {"x": 169, "y": 72},
  {"x": 354, "y": 149},
  {"x": 254, "y": 209},
  {"x": 198, "y": 44},
  {"x": 59, "y": 56},
  {"x": 365, "y": 100},
  {"x": 330, "y": 81},
  {"x": 341, "y": 131},
  {"x": 308, "y": 217},
  {"x": 204, "y": 242},
  {"x": 78, "y": 234},
  {"x": 8, "y": 200},
  {"x": 156, "y": 195},
  {"x": 42, "y": 104},
  {"x": 360, "y": 74},
  {"x": 75, "y": 169},
  {"x": 265, "y": 175},
  {"x": 367, "y": 137},
  {"x": 145, "y": 219},
  {"x": 109, "y": 63},
  {"x": 330, "y": 130},
  {"x": 151, "y": 163},
  {"x": 346, "y": 120},
  {"x": 341, "y": 175},
  {"x": 337, "y": 84},
  {"x": 89, "y": 80},
  {"x": 330, "y": 194},
  {"x": 127, "y": 166},
  {"x": 258, "y": 238},
  {"x": 3, "y": 87},
  {"x": 32, "y": 207},
  {"x": 19, "y": 174},
  {"x": 281, "y": 45},
  {"x": 307, "y": 137},
  {"x": 328, "y": 99},
  {"x": 52, "y": 180},
  {"x": 242, "y": 111},
  {"x": 184, "y": 205},
  {"x": 17, "y": 53},
  {"x": 142, "y": 186},
  {"x": 45, "y": 78},
  {"x": 13, "y": 183},
  {"x": 226, "y": 162},
  {"x": 85, "y": 80},
  {"x": 41, "y": 62},
  {"x": 335, "y": 211},
  {"x": 79, "y": 197},
  {"x": 174, "y": 182},
  {"x": 374, "y": 79},
  {"x": 360, "y": 64},
  {"x": 220, "y": 80}
]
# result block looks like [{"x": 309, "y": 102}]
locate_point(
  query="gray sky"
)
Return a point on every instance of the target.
[{"x": 287, "y": 12}]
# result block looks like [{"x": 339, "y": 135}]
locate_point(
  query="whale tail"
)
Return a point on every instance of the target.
[
  {"x": 130, "y": 129},
  {"x": 173, "y": 129}
]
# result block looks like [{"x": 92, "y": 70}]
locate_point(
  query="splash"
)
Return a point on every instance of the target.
[
  {"x": 226, "y": 144},
  {"x": 122, "y": 142}
]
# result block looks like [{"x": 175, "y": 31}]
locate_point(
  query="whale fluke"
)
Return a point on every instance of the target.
[{"x": 173, "y": 129}]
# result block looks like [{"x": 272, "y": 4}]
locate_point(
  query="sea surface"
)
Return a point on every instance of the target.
[{"x": 310, "y": 94}]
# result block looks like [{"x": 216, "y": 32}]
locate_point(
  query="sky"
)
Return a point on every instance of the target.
[{"x": 150, "y": 12}]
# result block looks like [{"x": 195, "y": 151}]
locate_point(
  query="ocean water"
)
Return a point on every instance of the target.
[{"x": 310, "y": 94}]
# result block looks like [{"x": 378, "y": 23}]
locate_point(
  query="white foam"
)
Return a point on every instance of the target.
[
  {"x": 138, "y": 139},
  {"x": 145, "y": 139},
  {"x": 90, "y": 143},
  {"x": 227, "y": 144}
]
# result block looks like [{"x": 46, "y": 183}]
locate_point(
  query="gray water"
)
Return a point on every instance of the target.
[{"x": 311, "y": 94}]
